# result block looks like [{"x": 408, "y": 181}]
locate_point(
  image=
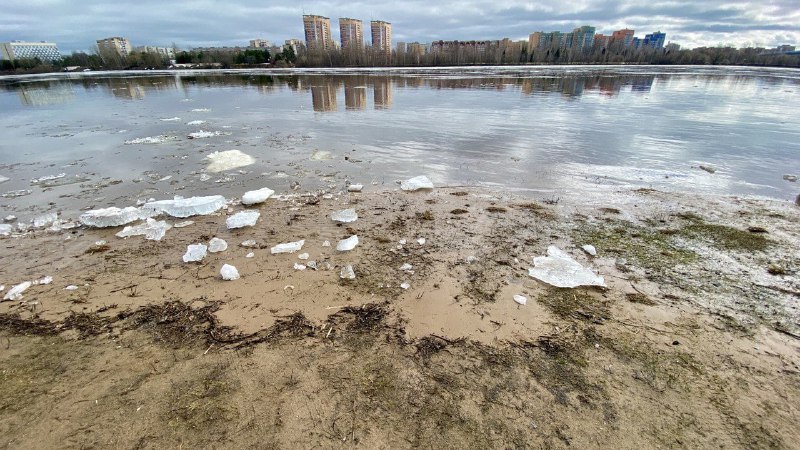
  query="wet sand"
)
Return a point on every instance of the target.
[{"x": 693, "y": 343}]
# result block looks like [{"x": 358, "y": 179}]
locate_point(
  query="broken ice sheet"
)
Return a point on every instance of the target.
[
  {"x": 229, "y": 272},
  {"x": 347, "y": 273},
  {"x": 521, "y": 299},
  {"x": 204, "y": 134},
  {"x": 111, "y": 217},
  {"x": 152, "y": 230},
  {"x": 560, "y": 270},
  {"x": 15, "y": 293},
  {"x": 289, "y": 247},
  {"x": 348, "y": 244},
  {"x": 228, "y": 160},
  {"x": 195, "y": 253},
  {"x": 355, "y": 188},
  {"x": 258, "y": 196},
  {"x": 299, "y": 266},
  {"x": 186, "y": 207},
  {"x": 242, "y": 219},
  {"x": 416, "y": 183},
  {"x": 344, "y": 216},
  {"x": 216, "y": 245}
]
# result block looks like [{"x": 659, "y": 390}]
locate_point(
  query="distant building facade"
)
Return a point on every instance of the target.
[
  {"x": 317, "y": 32},
  {"x": 381, "y": 35},
  {"x": 295, "y": 44},
  {"x": 118, "y": 45},
  {"x": 167, "y": 52},
  {"x": 351, "y": 32},
  {"x": 45, "y": 51},
  {"x": 260, "y": 43},
  {"x": 623, "y": 36},
  {"x": 654, "y": 40}
]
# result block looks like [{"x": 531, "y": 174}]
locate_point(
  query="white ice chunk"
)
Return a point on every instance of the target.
[
  {"x": 348, "y": 244},
  {"x": 406, "y": 267},
  {"x": 228, "y": 160},
  {"x": 171, "y": 119},
  {"x": 242, "y": 219},
  {"x": 312, "y": 264},
  {"x": 299, "y": 266},
  {"x": 71, "y": 287},
  {"x": 15, "y": 293},
  {"x": 344, "y": 216},
  {"x": 249, "y": 244},
  {"x": 186, "y": 207},
  {"x": 196, "y": 122},
  {"x": 590, "y": 249},
  {"x": 229, "y": 273},
  {"x": 46, "y": 280},
  {"x": 152, "y": 230},
  {"x": 560, "y": 270},
  {"x": 250, "y": 255},
  {"x": 416, "y": 183},
  {"x": 289, "y": 247},
  {"x": 402, "y": 242},
  {"x": 347, "y": 273},
  {"x": 326, "y": 244},
  {"x": 405, "y": 285},
  {"x": 45, "y": 220},
  {"x": 6, "y": 229},
  {"x": 521, "y": 299},
  {"x": 112, "y": 217},
  {"x": 259, "y": 196},
  {"x": 471, "y": 259},
  {"x": 421, "y": 241},
  {"x": 195, "y": 253},
  {"x": 204, "y": 134},
  {"x": 355, "y": 188},
  {"x": 152, "y": 140},
  {"x": 303, "y": 256},
  {"x": 216, "y": 245},
  {"x": 183, "y": 224}
]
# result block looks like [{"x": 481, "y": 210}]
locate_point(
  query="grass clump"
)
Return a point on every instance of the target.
[{"x": 725, "y": 237}]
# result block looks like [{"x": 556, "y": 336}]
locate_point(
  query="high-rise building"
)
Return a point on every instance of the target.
[
  {"x": 601, "y": 40},
  {"x": 654, "y": 40},
  {"x": 295, "y": 44},
  {"x": 167, "y": 52},
  {"x": 260, "y": 43},
  {"x": 351, "y": 32},
  {"x": 624, "y": 36},
  {"x": 381, "y": 35},
  {"x": 45, "y": 51},
  {"x": 118, "y": 45},
  {"x": 582, "y": 38},
  {"x": 318, "y": 32}
]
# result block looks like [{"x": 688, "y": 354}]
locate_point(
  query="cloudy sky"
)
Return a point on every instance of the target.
[{"x": 76, "y": 24}]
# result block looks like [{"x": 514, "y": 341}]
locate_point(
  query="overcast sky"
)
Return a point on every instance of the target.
[{"x": 76, "y": 24}]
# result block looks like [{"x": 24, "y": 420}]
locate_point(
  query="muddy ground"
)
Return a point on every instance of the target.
[{"x": 695, "y": 342}]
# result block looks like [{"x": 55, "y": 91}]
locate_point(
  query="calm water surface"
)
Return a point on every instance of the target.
[{"x": 538, "y": 131}]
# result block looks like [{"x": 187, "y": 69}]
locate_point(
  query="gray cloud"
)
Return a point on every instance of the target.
[{"x": 76, "y": 25}]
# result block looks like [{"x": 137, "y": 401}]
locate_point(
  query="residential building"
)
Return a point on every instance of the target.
[
  {"x": 381, "y": 35},
  {"x": 582, "y": 38},
  {"x": 654, "y": 40},
  {"x": 318, "y": 32},
  {"x": 624, "y": 36},
  {"x": 45, "y": 51},
  {"x": 167, "y": 52},
  {"x": 351, "y": 32},
  {"x": 118, "y": 45},
  {"x": 295, "y": 44},
  {"x": 417, "y": 49},
  {"x": 260, "y": 43},
  {"x": 601, "y": 40}
]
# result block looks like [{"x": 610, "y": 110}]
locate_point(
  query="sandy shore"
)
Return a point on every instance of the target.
[{"x": 693, "y": 343}]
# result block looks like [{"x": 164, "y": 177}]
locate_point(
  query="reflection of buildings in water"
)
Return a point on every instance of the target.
[
  {"x": 382, "y": 91},
  {"x": 51, "y": 94},
  {"x": 642, "y": 84},
  {"x": 136, "y": 88},
  {"x": 324, "y": 97},
  {"x": 355, "y": 92},
  {"x": 575, "y": 86}
]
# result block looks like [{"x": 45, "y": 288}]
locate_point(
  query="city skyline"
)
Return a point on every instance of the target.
[{"x": 764, "y": 23}]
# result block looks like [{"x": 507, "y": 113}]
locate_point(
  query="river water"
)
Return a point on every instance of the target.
[{"x": 537, "y": 131}]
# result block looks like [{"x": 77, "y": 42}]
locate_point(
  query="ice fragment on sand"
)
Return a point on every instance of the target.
[
  {"x": 45, "y": 220},
  {"x": 216, "y": 245},
  {"x": 152, "y": 230},
  {"x": 183, "y": 224},
  {"x": 348, "y": 244},
  {"x": 186, "y": 207},
  {"x": 521, "y": 299},
  {"x": 344, "y": 216},
  {"x": 48, "y": 178},
  {"x": 228, "y": 160},
  {"x": 421, "y": 241},
  {"x": 347, "y": 273},
  {"x": 355, "y": 188},
  {"x": 242, "y": 219},
  {"x": 321, "y": 155},
  {"x": 560, "y": 270},
  {"x": 288, "y": 247},
  {"x": 228, "y": 272},
  {"x": 259, "y": 196},
  {"x": 590, "y": 249},
  {"x": 71, "y": 287},
  {"x": 15, "y": 293},
  {"x": 250, "y": 255},
  {"x": 406, "y": 267},
  {"x": 405, "y": 285},
  {"x": 312, "y": 264},
  {"x": 111, "y": 217},
  {"x": 470, "y": 259},
  {"x": 416, "y": 183},
  {"x": 46, "y": 280},
  {"x": 249, "y": 244},
  {"x": 326, "y": 244},
  {"x": 6, "y": 229},
  {"x": 195, "y": 252},
  {"x": 303, "y": 256},
  {"x": 402, "y": 242},
  {"x": 299, "y": 266}
]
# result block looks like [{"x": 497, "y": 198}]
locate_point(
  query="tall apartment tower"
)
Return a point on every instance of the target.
[
  {"x": 351, "y": 32},
  {"x": 318, "y": 32},
  {"x": 625, "y": 36},
  {"x": 118, "y": 45},
  {"x": 382, "y": 35}
]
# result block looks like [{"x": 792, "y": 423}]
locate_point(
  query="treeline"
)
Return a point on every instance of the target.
[{"x": 227, "y": 58}]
